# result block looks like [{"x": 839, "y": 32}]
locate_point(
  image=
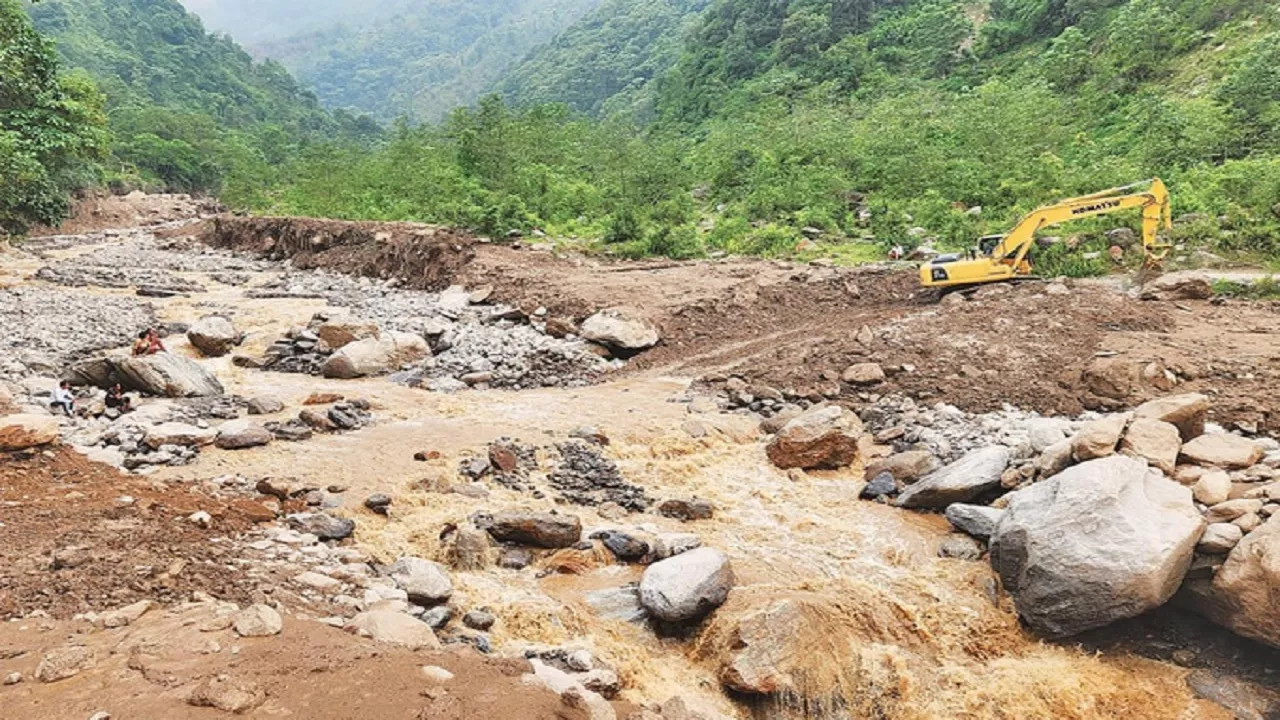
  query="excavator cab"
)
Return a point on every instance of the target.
[{"x": 1006, "y": 257}]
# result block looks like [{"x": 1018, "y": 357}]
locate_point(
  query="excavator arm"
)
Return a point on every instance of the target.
[{"x": 1008, "y": 259}]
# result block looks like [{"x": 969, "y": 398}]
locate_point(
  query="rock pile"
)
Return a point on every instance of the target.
[
  {"x": 1105, "y": 518},
  {"x": 585, "y": 477}
]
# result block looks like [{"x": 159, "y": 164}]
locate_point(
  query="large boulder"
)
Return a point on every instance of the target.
[
  {"x": 1102, "y": 541},
  {"x": 1098, "y": 439},
  {"x": 1155, "y": 441},
  {"x": 176, "y": 433},
  {"x": 823, "y": 437},
  {"x": 1187, "y": 412},
  {"x": 622, "y": 328},
  {"x": 166, "y": 374},
  {"x": 426, "y": 582},
  {"x": 19, "y": 432},
  {"x": 394, "y": 628},
  {"x": 376, "y": 355},
  {"x": 1244, "y": 595},
  {"x": 962, "y": 481},
  {"x": 1223, "y": 450},
  {"x": 214, "y": 336},
  {"x": 688, "y": 586},
  {"x": 542, "y": 529}
]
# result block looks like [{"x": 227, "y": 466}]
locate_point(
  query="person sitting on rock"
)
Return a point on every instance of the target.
[
  {"x": 117, "y": 400},
  {"x": 63, "y": 399},
  {"x": 148, "y": 343}
]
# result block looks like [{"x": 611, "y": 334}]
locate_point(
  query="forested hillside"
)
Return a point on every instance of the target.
[
  {"x": 872, "y": 121},
  {"x": 186, "y": 108},
  {"x": 396, "y": 58},
  {"x": 606, "y": 62}
]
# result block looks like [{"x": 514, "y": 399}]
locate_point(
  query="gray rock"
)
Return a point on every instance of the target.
[
  {"x": 323, "y": 526},
  {"x": 426, "y": 582},
  {"x": 976, "y": 520},
  {"x": 1102, "y": 541},
  {"x": 1046, "y": 432},
  {"x": 620, "y": 327},
  {"x": 378, "y": 503},
  {"x": 880, "y": 486},
  {"x": 963, "y": 480},
  {"x": 376, "y": 355},
  {"x": 438, "y": 616},
  {"x": 214, "y": 336},
  {"x": 688, "y": 586},
  {"x": 960, "y": 547},
  {"x": 625, "y": 547},
  {"x": 394, "y": 628},
  {"x": 618, "y": 604},
  {"x": 480, "y": 620},
  {"x": 242, "y": 434}
]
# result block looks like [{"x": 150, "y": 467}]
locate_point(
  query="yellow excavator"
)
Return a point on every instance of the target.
[{"x": 1000, "y": 258}]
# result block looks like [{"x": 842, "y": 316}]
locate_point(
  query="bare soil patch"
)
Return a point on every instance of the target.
[{"x": 72, "y": 545}]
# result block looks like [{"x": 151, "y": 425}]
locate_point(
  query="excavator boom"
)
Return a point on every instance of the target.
[{"x": 1008, "y": 259}]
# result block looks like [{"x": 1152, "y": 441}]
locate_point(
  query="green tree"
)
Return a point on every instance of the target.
[{"x": 51, "y": 126}]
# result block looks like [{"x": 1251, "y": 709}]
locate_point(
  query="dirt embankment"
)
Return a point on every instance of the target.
[
  {"x": 96, "y": 212},
  {"x": 421, "y": 257}
]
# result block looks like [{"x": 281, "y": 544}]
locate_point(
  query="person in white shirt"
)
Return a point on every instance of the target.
[{"x": 62, "y": 398}]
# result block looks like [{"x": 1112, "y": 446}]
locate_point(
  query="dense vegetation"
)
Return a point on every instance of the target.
[
  {"x": 606, "y": 64},
  {"x": 867, "y": 122},
  {"x": 423, "y": 59},
  {"x": 883, "y": 119},
  {"x": 187, "y": 109},
  {"x": 52, "y": 128}
]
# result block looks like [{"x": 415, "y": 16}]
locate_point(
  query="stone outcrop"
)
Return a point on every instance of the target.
[{"x": 166, "y": 374}]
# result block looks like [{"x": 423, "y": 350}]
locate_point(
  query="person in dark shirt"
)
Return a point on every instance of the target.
[{"x": 117, "y": 400}]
